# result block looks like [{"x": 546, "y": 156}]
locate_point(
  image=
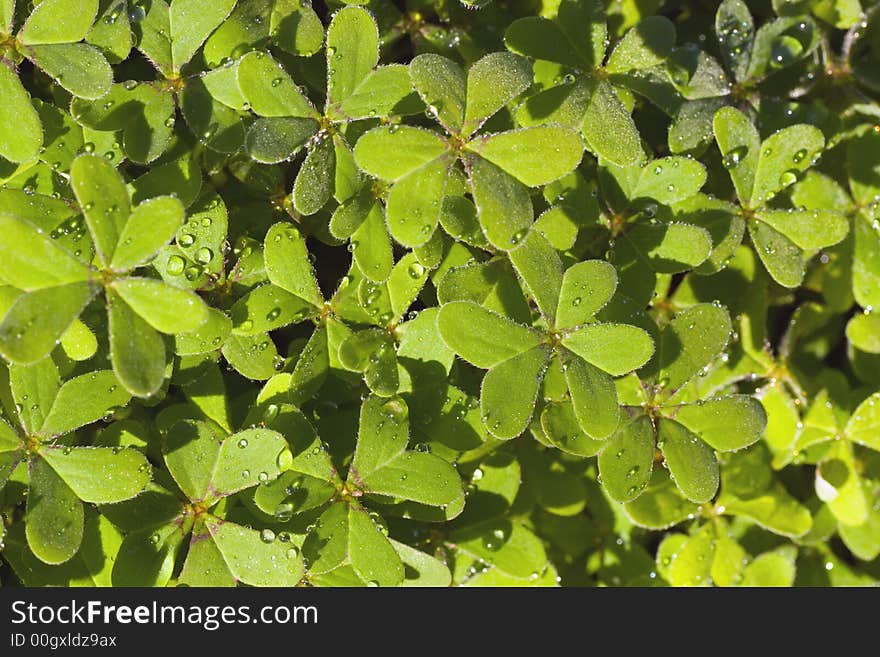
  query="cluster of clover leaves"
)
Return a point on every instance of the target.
[{"x": 352, "y": 294}]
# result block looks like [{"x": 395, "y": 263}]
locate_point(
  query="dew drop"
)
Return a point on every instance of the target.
[
  {"x": 175, "y": 265},
  {"x": 204, "y": 255},
  {"x": 784, "y": 51},
  {"x": 136, "y": 13},
  {"x": 788, "y": 178},
  {"x": 494, "y": 540}
]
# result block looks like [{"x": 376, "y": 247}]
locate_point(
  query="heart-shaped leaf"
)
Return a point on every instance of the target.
[
  {"x": 101, "y": 475},
  {"x": 691, "y": 462},
  {"x": 54, "y": 517}
]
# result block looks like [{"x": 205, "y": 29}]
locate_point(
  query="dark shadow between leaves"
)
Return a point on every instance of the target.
[
  {"x": 629, "y": 565},
  {"x": 179, "y": 435},
  {"x": 707, "y": 289},
  {"x": 548, "y": 101}
]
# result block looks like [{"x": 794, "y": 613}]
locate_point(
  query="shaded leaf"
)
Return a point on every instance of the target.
[
  {"x": 509, "y": 392},
  {"x": 136, "y": 349},
  {"x": 28, "y": 332},
  {"x": 594, "y": 398},
  {"x": 690, "y": 342},
  {"x": 627, "y": 460},
  {"x": 691, "y": 462},
  {"x": 54, "y": 517}
]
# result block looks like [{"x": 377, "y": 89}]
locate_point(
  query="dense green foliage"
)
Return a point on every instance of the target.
[{"x": 416, "y": 292}]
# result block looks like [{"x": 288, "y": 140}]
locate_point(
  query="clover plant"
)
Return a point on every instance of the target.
[{"x": 577, "y": 293}]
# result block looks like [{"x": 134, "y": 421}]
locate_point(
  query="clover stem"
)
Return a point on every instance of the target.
[
  {"x": 658, "y": 457},
  {"x": 781, "y": 372},
  {"x": 327, "y": 126},
  {"x": 325, "y": 312},
  {"x": 739, "y": 91},
  {"x": 456, "y": 144},
  {"x": 348, "y": 493},
  {"x": 8, "y": 43},
  {"x": 195, "y": 510},
  {"x": 378, "y": 188},
  {"x": 174, "y": 83},
  {"x": 31, "y": 444}
]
